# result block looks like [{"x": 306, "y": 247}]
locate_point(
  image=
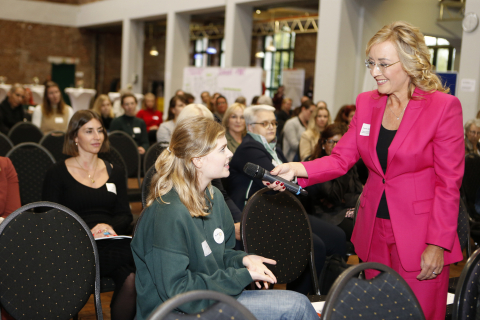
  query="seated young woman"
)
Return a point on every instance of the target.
[
  {"x": 185, "y": 236},
  {"x": 96, "y": 190}
]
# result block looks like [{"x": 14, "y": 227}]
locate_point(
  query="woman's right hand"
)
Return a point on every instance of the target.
[
  {"x": 287, "y": 171},
  {"x": 101, "y": 228},
  {"x": 258, "y": 271}
]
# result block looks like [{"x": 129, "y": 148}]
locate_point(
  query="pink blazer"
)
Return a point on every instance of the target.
[{"x": 422, "y": 182}]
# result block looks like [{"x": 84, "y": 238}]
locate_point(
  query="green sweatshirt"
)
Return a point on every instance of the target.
[
  {"x": 175, "y": 253},
  {"x": 134, "y": 127}
]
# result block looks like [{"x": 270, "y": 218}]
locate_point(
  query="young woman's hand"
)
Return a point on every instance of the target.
[
  {"x": 258, "y": 271},
  {"x": 100, "y": 229}
]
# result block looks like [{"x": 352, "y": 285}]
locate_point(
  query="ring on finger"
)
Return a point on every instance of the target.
[{"x": 434, "y": 273}]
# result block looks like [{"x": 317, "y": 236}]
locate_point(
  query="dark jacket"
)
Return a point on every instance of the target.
[
  {"x": 128, "y": 125},
  {"x": 10, "y": 116},
  {"x": 238, "y": 182}
]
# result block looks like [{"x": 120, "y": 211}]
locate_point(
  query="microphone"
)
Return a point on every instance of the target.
[{"x": 255, "y": 171}]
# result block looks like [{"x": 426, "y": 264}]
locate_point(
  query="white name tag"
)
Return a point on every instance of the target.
[
  {"x": 365, "y": 130},
  {"x": 111, "y": 187},
  {"x": 58, "y": 120},
  {"x": 218, "y": 235},
  {"x": 155, "y": 117},
  {"x": 137, "y": 130},
  {"x": 206, "y": 248}
]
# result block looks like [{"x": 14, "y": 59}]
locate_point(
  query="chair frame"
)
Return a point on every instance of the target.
[
  {"x": 458, "y": 302},
  {"x": 18, "y": 124},
  {"x": 31, "y": 206},
  {"x": 311, "y": 262},
  {"x": 139, "y": 165},
  {"x": 351, "y": 272},
  {"x": 48, "y": 134},
  {"x": 168, "y": 306},
  {"x": 153, "y": 148},
  {"x": 7, "y": 139}
]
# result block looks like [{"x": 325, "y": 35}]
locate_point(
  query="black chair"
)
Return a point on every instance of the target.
[
  {"x": 151, "y": 155},
  {"x": 5, "y": 145},
  {"x": 225, "y": 309},
  {"x": 276, "y": 226},
  {"x": 467, "y": 296},
  {"x": 31, "y": 161},
  {"x": 25, "y": 132},
  {"x": 471, "y": 183},
  {"x": 53, "y": 142},
  {"x": 387, "y": 296},
  {"x": 146, "y": 184},
  {"x": 129, "y": 151},
  {"x": 116, "y": 159},
  {"x": 49, "y": 263}
]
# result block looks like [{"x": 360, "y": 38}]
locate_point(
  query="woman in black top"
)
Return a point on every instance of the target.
[{"x": 97, "y": 192}]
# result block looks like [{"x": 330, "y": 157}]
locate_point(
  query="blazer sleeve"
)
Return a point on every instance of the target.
[
  {"x": 13, "y": 192},
  {"x": 449, "y": 164}
]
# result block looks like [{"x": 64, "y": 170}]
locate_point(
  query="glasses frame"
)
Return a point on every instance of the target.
[
  {"x": 274, "y": 123},
  {"x": 374, "y": 64}
]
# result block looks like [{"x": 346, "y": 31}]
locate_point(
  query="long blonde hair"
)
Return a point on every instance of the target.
[
  {"x": 97, "y": 105},
  {"x": 192, "y": 138},
  {"x": 413, "y": 52},
  {"x": 312, "y": 122}
]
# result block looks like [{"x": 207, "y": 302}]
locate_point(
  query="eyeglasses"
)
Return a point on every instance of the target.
[
  {"x": 332, "y": 142},
  {"x": 265, "y": 124},
  {"x": 477, "y": 133},
  {"x": 381, "y": 67}
]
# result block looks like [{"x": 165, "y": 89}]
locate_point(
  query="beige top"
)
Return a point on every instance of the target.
[
  {"x": 307, "y": 144},
  {"x": 55, "y": 122}
]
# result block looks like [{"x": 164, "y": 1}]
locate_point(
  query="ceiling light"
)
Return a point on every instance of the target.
[
  {"x": 258, "y": 11},
  {"x": 154, "y": 51}
]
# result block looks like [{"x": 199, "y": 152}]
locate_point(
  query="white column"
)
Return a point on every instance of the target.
[
  {"x": 238, "y": 34},
  {"x": 470, "y": 66},
  {"x": 176, "y": 54},
  {"x": 133, "y": 37},
  {"x": 336, "y": 58}
]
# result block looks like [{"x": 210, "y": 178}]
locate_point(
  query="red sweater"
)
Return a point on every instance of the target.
[{"x": 151, "y": 117}]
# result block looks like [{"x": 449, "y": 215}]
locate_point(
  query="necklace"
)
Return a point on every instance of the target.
[
  {"x": 94, "y": 171},
  {"x": 398, "y": 118}
]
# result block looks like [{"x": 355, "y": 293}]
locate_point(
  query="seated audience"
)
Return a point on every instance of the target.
[
  {"x": 254, "y": 101},
  {"x": 278, "y": 98},
  {"x": 241, "y": 100},
  {"x": 472, "y": 136},
  {"x": 190, "y": 98},
  {"x": 183, "y": 199},
  {"x": 293, "y": 129},
  {"x": 318, "y": 121},
  {"x": 103, "y": 107},
  {"x": 96, "y": 191},
  {"x": 220, "y": 108},
  {"x": 345, "y": 114},
  {"x": 259, "y": 147},
  {"x": 265, "y": 100},
  {"x": 283, "y": 114},
  {"x": 206, "y": 100},
  {"x": 193, "y": 110},
  {"x": 53, "y": 114},
  {"x": 130, "y": 124},
  {"x": 28, "y": 104},
  {"x": 151, "y": 116},
  {"x": 234, "y": 123},
  {"x": 164, "y": 133},
  {"x": 333, "y": 199},
  {"x": 11, "y": 108}
]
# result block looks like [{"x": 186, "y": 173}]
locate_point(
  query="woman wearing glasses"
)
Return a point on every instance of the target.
[
  {"x": 472, "y": 135},
  {"x": 259, "y": 147},
  {"x": 409, "y": 133}
]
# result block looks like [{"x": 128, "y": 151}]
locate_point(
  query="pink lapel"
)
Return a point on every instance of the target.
[
  {"x": 377, "y": 116},
  {"x": 412, "y": 112}
]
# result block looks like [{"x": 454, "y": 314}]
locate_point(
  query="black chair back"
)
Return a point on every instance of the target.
[
  {"x": 387, "y": 296},
  {"x": 53, "y": 142},
  {"x": 146, "y": 184},
  {"x": 463, "y": 228},
  {"x": 31, "y": 161},
  {"x": 276, "y": 226},
  {"x": 471, "y": 183},
  {"x": 49, "y": 263},
  {"x": 5, "y": 145},
  {"x": 115, "y": 158},
  {"x": 25, "y": 132},
  {"x": 151, "y": 155},
  {"x": 467, "y": 295},
  {"x": 225, "y": 309},
  {"x": 128, "y": 148}
]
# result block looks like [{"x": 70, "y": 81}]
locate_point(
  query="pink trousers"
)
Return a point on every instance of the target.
[{"x": 432, "y": 294}]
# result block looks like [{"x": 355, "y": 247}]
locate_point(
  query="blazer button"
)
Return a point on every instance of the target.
[{"x": 383, "y": 181}]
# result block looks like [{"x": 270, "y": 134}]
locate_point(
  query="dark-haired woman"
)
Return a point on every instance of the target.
[
  {"x": 220, "y": 107},
  {"x": 97, "y": 192},
  {"x": 164, "y": 133},
  {"x": 53, "y": 113}
]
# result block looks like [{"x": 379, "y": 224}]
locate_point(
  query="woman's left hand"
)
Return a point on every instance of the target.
[
  {"x": 431, "y": 263},
  {"x": 255, "y": 264}
]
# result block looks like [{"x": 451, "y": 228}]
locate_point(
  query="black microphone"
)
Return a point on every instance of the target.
[{"x": 255, "y": 171}]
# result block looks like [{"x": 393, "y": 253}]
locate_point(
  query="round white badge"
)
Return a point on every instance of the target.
[{"x": 218, "y": 235}]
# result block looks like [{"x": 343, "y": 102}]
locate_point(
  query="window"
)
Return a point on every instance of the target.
[
  {"x": 278, "y": 51},
  {"x": 442, "y": 54},
  {"x": 208, "y": 52}
]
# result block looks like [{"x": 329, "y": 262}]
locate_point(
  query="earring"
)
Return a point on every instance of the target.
[
  {"x": 77, "y": 144},
  {"x": 323, "y": 147}
]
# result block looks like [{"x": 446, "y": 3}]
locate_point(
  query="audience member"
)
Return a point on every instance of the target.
[
  {"x": 164, "y": 133},
  {"x": 53, "y": 113},
  {"x": 214, "y": 98},
  {"x": 206, "y": 100},
  {"x": 278, "y": 98},
  {"x": 259, "y": 147},
  {"x": 294, "y": 127},
  {"x": 96, "y": 191},
  {"x": 193, "y": 110},
  {"x": 265, "y": 100},
  {"x": 179, "y": 92},
  {"x": 283, "y": 114},
  {"x": 11, "y": 107},
  {"x": 221, "y": 106},
  {"x": 28, "y": 104},
  {"x": 345, "y": 114},
  {"x": 318, "y": 121},
  {"x": 151, "y": 116},
  {"x": 255, "y": 100},
  {"x": 472, "y": 136},
  {"x": 103, "y": 107},
  {"x": 130, "y": 124},
  {"x": 241, "y": 100},
  {"x": 190, "y": 98},
  {"x": 304, "y": 99},
  {"x": 322, "y": 104},
  {"x": 234, "y": 123},
  {"x": 183, "y": 199}
]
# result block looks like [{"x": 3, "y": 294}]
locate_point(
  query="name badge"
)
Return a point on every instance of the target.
[
  {"x": 206, "y": 248},
  {"x": 155, "y": 118},
  {"x": 58, "y": 120},
  {"x": 365, "y": 130},
  {"x": 137, "y": 130},
  {"x": 111, "y": 187},
  {"x": 218, "y": 235}
]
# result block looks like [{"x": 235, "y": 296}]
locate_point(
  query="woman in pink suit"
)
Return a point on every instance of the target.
[{"x": 409, "y": 134}]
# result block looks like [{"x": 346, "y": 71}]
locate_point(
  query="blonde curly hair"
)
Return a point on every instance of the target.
[{"x": 414, "y": 55}]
